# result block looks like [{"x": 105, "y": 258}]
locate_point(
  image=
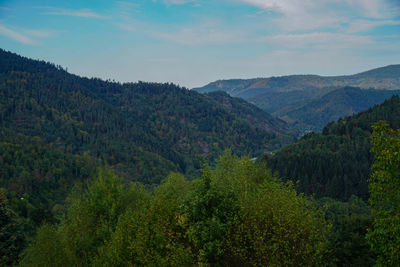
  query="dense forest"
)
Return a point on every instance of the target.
[
  {"x": 98, "y": 173},
  {"x": 337, "y": 162},
  {"x": 143, "y": 129},
  {"x": 57, "y": 128}
]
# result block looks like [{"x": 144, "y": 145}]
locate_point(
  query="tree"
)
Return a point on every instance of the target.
[
  {"x": 239, "y": 214},
  {"x": 91, "y": 219},
  {"x": 385, "y": 195},
  {"x": 47, "y": 249},
  {"x": 12, "y": 240},
  {"x": 152, "y": 232},
  {"x": 350, "y": 221}
]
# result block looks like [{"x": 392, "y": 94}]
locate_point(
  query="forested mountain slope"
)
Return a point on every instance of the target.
[
  {"x": 55, "y": 128},
  {"x": 249, "y": 112},
  {"x": 335, "y": 163}
]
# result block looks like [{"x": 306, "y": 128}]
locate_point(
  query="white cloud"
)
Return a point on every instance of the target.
[
  {"x": 177, "y": 2},
  {"x": 127, "y": 27},
  {"x": 204, "y": 33},
  {"x": 25, "y": 36},
  {"x": 298, "y": 14},
  {"x": 366, "y": 25},
  {"x": 320, "y": 40},
  {"x": 84, "y": 13},
  {"x": 39, "y": 33},
  {"x": 16, "y": 36},
  {"x": 318, "y": 14},
  {"x": 174, "y": 2},
  {"x": 369, "y": 8}
]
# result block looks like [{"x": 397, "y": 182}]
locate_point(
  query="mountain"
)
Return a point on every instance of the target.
[
  {"x": 289, "y": 96},
  {"x": 56, "y": 127},
  {"x": 381, "y": 78},
  {"x": 249, "y": 112},
  {"x": 337, "y": 162},
  {"x": 336, "y": 104}
]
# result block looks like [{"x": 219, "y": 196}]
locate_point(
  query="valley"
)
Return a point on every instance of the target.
[{"x": 98, "y": 172}]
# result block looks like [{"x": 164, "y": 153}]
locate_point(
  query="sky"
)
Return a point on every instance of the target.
[{"x": 194, "y": 42}]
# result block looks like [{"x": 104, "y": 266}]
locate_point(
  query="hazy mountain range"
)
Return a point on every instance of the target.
[{"x": 311, "y": 101}]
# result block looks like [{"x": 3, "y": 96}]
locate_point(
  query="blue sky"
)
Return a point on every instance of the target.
[{"x": 193, "y": 42}]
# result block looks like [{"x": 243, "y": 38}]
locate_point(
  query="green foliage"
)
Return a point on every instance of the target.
[
  {"x": 41, "y": 175},
  {"x": 11, "y": 236},
  {"x": 240, "y": 214},
  {"x": 274, "y": 225},
  {"x": 385, "y": 195},
  {"x": 236, "y": 213},
  {"x": 350, "y": 222},
  {"x": 90, "y": 221},
  {"x": 152, "y": 233},
  {"x": 93, "y": 216},
  {"x": 47, "y": 249},
  {"x": 211, "y": 210}
]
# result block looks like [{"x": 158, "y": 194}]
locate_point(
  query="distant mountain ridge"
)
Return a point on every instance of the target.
[
  {"x": 387, "y": 77},
  {"x": 295, "y": 98},
  {"x": 336, "y": 104}
]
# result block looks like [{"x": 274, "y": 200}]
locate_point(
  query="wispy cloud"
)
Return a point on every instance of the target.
[
  {"x": 178, "y": 2},
  {"x": 318, "y": 40},
  {"x": 201, "y": 34},
  {"x": 366, "y": 25},
  {"x": 298, "y": 15},
  {"x": 25, "y": 36},
  {"x": 16, "y": 36},
  {"x": 126, "y": 26},
  {"x": 39, "y": 33},
  {"x": 204, "y": 32},
  {"x": 370, "y": 8},
  {"x": 84, "y": 13}
]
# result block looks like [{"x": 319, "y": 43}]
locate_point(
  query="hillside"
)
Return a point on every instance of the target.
[
  {"x": 55, "y": 128},
  {"x": 335, "y": 163},
  {"x": 304, "y": 100},
  {"x": 249, "y": 112},
  {"x": 336, "y": 104}
]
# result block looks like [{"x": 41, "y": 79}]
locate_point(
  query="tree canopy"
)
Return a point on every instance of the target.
[
  {"x": 236, "y": 213},
  {"x": 385, "y": 195}
]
